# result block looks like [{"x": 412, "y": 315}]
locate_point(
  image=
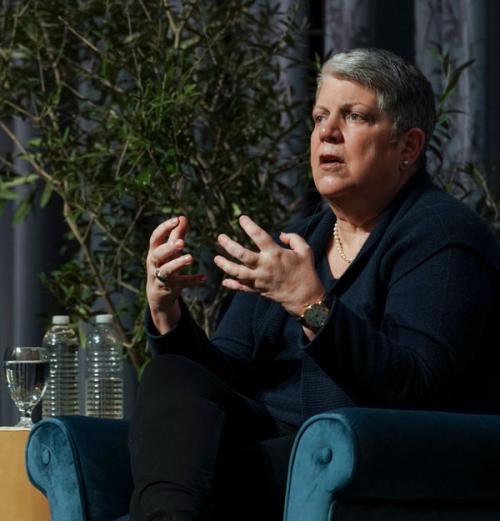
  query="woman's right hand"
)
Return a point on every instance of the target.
[{"x": 166, "y": 259}]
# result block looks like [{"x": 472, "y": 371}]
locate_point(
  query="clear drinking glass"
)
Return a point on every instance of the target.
[{"x": 26, "y": 371}]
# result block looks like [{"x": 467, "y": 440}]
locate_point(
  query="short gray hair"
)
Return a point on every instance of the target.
[{"x": 403, "y": 91}]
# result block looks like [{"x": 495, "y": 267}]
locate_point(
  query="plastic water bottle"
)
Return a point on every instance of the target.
[
  {"x": 62, "y": 394},
  {"x": 104, "y": 371}
]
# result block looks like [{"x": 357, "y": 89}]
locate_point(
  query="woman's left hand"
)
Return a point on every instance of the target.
[{"x": 287, "y": 276}]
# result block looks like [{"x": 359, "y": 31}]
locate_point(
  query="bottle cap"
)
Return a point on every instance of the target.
[
  {"x": 60, "y": 320},
  {"x": 104, "y": 319}
]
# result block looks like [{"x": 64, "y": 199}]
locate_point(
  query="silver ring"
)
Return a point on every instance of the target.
[{"x": 158, "y": 275}]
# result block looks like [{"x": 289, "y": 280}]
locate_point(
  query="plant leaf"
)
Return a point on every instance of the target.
[
  {"x": 22, "y": 211},
  {"x": 46, "y": 194}
]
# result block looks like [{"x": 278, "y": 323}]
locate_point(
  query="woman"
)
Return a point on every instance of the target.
[{"x": 385, "y": 299}]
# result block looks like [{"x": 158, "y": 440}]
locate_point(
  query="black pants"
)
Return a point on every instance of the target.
[{"x": 198, "y": 446}]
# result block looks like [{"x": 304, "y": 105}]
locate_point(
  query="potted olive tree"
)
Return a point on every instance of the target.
[{"x": 143, "y": 110}]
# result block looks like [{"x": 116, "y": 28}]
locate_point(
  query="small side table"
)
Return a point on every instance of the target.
[{"x": 19, "y": 499}]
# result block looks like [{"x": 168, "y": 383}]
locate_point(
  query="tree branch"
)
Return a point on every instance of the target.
[{"x": 101, "y": 285}]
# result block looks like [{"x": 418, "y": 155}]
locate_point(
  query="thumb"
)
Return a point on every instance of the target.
[{"x": 296, "y": 242}]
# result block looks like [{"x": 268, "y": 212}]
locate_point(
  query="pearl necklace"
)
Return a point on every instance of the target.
[{"x": 338, "y": 244}]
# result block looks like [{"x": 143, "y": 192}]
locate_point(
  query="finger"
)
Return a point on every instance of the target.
[
  {"x": 296, "y": 242},
  {"x": 165, "y": 252},
  {"x": 162, "y": 231},
  {"x": 244, "y": 255},
  {"x": 258, "y": 235},
  {"x": 179, "y": 232},
  {"x": 170, "y": 268},
  {"x": 189, "y": 281},
  {"x": 236, "y": 271},
  {"x": 196, "y": 278},
  {"x": 235, "y": 285},
  {"x": 180, "y": 282}
]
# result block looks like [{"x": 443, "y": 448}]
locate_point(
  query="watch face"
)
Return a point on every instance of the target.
[{"x": 316, "y": 315}]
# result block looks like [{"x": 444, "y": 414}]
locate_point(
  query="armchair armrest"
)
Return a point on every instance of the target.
[
  {"x": 375, "y": 455},
  {"x": 82, "y": 465}
]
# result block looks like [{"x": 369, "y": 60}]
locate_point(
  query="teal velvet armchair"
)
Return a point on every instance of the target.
[{"x": 353, "y": 464}]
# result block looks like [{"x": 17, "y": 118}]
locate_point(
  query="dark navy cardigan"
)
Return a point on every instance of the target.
[{"x": 414, "y": 321}]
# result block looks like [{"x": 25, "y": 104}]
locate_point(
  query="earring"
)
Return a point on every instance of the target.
[{"x": 405, "y": 162}]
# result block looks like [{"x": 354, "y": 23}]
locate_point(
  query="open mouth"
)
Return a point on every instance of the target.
[{"x": 330, "y": 159}]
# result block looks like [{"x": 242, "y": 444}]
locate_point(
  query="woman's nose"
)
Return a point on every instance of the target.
[{"x": 330, "y": 131}]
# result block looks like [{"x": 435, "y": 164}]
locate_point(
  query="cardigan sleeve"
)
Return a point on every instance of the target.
[
  {"x": 228, "y": 354},
  {"x": 432, "y": 329}
]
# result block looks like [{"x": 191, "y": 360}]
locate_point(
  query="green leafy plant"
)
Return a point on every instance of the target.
[
  {"x": 467, "y": 181},
  {"x": 141, "y": 110}
]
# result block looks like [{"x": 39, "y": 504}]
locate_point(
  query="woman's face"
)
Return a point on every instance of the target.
[{"x": 355, "y": 158}]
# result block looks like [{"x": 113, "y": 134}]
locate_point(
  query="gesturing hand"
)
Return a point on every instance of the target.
[
  {"x": 287, "y": 276},
  {"x": 164, "y": 262}
]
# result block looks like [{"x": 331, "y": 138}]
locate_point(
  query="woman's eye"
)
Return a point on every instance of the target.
[
  {"x": 355, "y": 116},
  {"x": 319, "y": 118}
]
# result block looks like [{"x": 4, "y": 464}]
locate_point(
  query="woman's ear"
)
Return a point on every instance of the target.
[{"x": 412, "y": 144}]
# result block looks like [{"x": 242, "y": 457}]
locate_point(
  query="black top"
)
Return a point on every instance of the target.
[
  {"x": 414, "y": 320},
  {"x": 284, "y": 400}
]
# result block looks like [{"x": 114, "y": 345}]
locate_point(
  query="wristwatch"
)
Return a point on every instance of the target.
[{"x": 315, "y": 315}]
